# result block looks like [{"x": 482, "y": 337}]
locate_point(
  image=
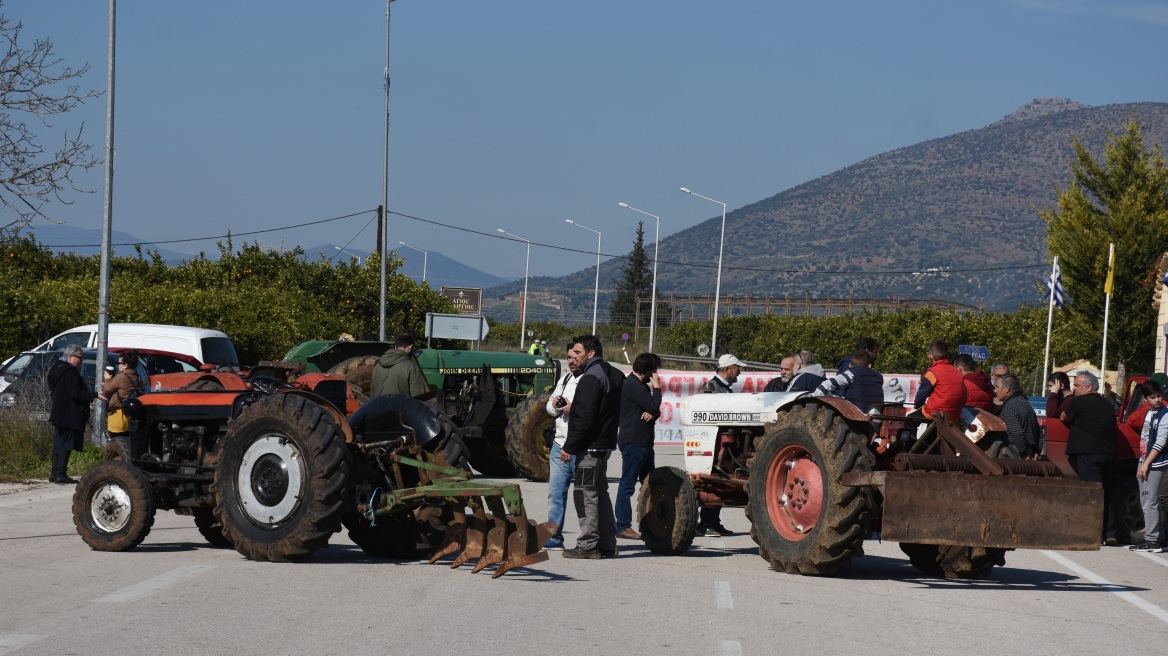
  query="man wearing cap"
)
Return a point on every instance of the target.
[
  {"x": 69, "y": 412},
  {"x": 710, "y": 517}
]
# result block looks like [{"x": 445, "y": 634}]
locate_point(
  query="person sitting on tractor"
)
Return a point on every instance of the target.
[
  {"x": 859, "y": 384},
  {"x": 942, "y": 387},
  {"x": 978, "y": 391}
]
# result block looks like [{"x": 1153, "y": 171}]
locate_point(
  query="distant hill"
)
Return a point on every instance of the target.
[
  {"x": 440, "y": 270},
  {"x": 962, "y": 201}
]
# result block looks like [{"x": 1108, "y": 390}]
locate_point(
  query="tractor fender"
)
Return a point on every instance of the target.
[
  {"x": 396, "y": 407},
  {"x": 329, "y": 408}
]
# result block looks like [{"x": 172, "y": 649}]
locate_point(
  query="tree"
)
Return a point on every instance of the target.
[
  {"x": 36, "y": 86},
  {"x": 1123, "y": 199},
  {"x": 637, "y": 283}
]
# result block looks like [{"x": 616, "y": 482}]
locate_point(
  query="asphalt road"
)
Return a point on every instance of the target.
[{"x": 176, "y": 595}]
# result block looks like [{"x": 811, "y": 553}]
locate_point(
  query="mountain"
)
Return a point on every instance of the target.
[
  {"x": 964, "y": 201},
  {"x": 441, "y": 271},
  {"x": 87, "y": 241}
]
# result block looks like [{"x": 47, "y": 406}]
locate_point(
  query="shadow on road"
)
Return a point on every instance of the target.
[{"x": 869, "y": 568}]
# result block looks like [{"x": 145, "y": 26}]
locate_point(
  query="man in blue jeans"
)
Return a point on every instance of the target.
[
  {"x": 561, "y": 473},
  {"x": 640, "y": 408}
]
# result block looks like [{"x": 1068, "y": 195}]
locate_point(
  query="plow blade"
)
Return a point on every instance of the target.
[{"x": 1011, "y": 512}]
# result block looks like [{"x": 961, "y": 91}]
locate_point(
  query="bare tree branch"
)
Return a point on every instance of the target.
[{"x": 36, "y": 85}]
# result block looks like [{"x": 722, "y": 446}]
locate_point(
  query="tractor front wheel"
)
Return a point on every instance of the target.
[
  {"x": 667, "y": 511},
  {"x": 113, "y": 506}
]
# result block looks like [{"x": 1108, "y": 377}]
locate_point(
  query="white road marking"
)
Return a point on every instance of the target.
[
  {"x": 722, "y": 595},
  {"x": 1152, "y": 558},
  {"x": 10, "y": 641},
  {"x": 150, "y": 586},
  {"x": 731, "y": 648},
  {"x": 1130, "y": 597}
]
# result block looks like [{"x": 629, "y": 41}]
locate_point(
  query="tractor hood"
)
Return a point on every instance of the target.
[{"x": 471, "y": 362}]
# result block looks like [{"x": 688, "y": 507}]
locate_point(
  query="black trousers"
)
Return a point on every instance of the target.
[
  {"x": 1099, "y": 468},
  {"x": 65, "y": 440}
]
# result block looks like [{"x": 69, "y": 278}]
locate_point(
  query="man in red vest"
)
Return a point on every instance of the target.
[{"x": 942, "y": 387}]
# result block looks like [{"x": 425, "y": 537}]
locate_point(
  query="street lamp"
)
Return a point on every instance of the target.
[
  {"x": 656, "y": 250},
  {"x": 425, "y": 257},
  {"x": 526, "y": 270},
  {"x": 350, "y": 253},
  {"x": 718, "y": 287},
  {"x": 596, "y": 291}
]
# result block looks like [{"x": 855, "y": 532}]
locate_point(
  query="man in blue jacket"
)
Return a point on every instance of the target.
[
  {"x": 592, "y": 429},
  {"x": 640, "y": 408}
]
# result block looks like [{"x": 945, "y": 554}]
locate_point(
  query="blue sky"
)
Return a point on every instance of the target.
[{"x": 259, "y": 114}]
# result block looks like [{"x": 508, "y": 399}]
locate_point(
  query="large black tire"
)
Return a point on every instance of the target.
[
  {"x": 667, "y": 511},
  {"x": 963, "y": 562},
  {"x": 113, "y": 506},
  {"x": 821, "y": 525},
  {"x": 1129, "y": 514},
  {"x": 526, "y": 447},
  {"x": 358, "y": 371},
  {"x": 391, "y": 537},
  {"x": 486, "y": 461},
  {"x": 953, "y": 562},
  {"x": 210, "y": 528},
  {"x": 283, "y": 479},
  {"x": 204, "y": 385}
]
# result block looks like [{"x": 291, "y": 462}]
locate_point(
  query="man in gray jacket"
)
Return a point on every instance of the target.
[{"x": 397, "y": 372}]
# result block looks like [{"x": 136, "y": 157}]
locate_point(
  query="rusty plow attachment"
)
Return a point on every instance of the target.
[{"x": 504, "y": 536}]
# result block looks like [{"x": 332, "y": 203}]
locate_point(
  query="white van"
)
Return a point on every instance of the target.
[{"x": 209, "y": 346}]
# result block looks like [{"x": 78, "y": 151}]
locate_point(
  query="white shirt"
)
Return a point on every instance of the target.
[{"x": 567, "y": 389}]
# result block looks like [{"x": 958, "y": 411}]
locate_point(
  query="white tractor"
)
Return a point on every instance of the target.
[{"x": 817, "y": 477}]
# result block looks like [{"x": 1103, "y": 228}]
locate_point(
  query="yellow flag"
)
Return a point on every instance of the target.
[{"x": 1109, "y": 286}]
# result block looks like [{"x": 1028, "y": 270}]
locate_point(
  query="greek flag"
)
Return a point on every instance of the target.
[{"x": 1055, "y": 286}]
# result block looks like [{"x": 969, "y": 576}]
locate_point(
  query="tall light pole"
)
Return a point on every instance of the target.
[
  {"x": 718, "y": 287},
  {"x": 526, "y": 270},
  {"x": 656, "y": 251},
  {"x": 596, "y": 291},
  {"x": 425, "y": 257},
  {"x": 385, "y": 186},
  {"x": 350, "y": 253}
]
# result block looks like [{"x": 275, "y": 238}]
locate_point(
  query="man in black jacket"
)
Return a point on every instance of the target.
[
  {"x": 640, "y": 408},
  {"x": 592, "y": 428},
  {"x": 69, "y": 412},
  {"x": 1091, "y": 444}
]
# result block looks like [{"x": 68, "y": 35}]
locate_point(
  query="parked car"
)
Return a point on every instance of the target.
[
  {"x": 26, "y": 383},
  {"x": 210, "y": 346}
]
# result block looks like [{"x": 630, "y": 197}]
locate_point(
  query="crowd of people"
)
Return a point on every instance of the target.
[{"x": 586, "y": 434}]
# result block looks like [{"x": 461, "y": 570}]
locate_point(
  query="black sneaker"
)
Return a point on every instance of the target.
[
  {"x": 587, "y": 554},
  {"x": 609, "y": 553},
  {"x": 1110, "y": 542},
  {"x": 718, "y": 529},
  {"x": 1149, "y": 547}
]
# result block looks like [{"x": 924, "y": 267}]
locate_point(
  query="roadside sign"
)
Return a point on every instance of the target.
[
  {"x": 467, "y": 300},
  {"x": 455, "y": 326},
  {"x": 978, "y": 353}
]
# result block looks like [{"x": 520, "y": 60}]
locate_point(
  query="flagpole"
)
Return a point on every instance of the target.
[
  {"x": 1107, "y": 289},
  {"x": 1049, "y": 318}
]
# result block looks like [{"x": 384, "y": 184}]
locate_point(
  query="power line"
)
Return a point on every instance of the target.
[
  {"x": 1003, "y": 267},
  {"x": 230, "y": 234}
]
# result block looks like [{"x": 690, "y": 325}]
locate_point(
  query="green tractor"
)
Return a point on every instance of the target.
[{"x": 496, "y": 399}]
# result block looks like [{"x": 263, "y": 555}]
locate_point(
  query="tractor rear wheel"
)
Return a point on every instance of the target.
[
  {"x": 113, "y": 506},
  {"x": 526, "y": 446},
  {"x": 802, "y": 518},
  {"x": 283, "y": 479},
  {"x": 667, "y": 511},
  {"x": 358, "y": 371},
  {"x": 963, "y": 562}
]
